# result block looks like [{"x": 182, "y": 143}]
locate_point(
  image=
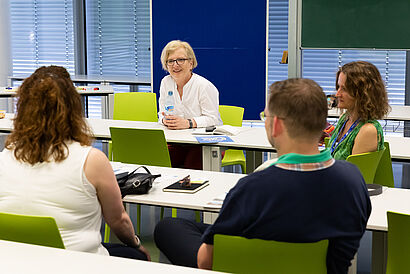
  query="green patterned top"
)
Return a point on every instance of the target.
[{"x": 344, "y": 149}]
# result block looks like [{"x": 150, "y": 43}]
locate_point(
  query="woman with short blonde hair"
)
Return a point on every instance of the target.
[{"x": 196, "y": 100}]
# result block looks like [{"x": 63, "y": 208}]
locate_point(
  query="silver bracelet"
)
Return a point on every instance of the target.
[{"x": 138, "y": 241}]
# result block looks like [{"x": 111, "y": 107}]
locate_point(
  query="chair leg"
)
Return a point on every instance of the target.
[
  {"x": 139, "y": 219},
  {"x": 197, "y": 216},
  {"x": 107, "y": 231},
  {"x": 243, "y": 167},
  {"x": 161, "y": 215}
]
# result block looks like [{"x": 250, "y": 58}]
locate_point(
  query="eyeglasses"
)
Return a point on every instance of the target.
[
  {"x": 263, "y": 116},
  {"x": 179, "y": 61}
]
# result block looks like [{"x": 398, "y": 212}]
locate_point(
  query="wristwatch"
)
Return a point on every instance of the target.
[
  {"x": 190, "y": 123},
  {"x": 138, "y": 241}
]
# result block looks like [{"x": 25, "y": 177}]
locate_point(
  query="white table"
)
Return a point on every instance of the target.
[
  {"x": 397, "y": 113},
  {"x": 104, "y": 91},
  {"x": 98, "y": 79},
  {"x": 219, "y": 184},
  {"x": 251, "y": 139},
  {"x": 18, "y": 258},
  {"x": 392, "y": 199}
]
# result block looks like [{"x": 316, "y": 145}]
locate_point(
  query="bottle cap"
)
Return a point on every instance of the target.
[{"x": 170, "y": 93}]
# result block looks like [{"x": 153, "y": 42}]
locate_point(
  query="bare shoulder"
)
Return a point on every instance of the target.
[
  {"x": 368, "y": 130},
  {"x": 366, "y": 139},
  {"x": 96, "y": 166}
]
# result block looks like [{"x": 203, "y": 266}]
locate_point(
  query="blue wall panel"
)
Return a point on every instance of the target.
[{"x": 229, "y": 40}]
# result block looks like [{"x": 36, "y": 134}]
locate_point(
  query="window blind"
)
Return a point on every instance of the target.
[
  {"x": 277, "y": 40},
  {"x": 41, "y": 34},
  {"x": 322, "y": 65},
  {"x": 118, "y": 41}
]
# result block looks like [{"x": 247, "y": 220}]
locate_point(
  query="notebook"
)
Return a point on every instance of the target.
[{"x": 195, "y": 186}]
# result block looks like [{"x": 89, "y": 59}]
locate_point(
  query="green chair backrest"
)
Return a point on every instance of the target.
[
  {"x": 367, "y": 163},
  {"x": 231, "y": 115},
  {"x": 326, "y": 142},
  {"x": 236, "y": 254},
  {"x": 398, "y": 243},
  {"x": 384, "y": 173},
  {"x": 140, "y": 146},
  {"x": 135, "y": 106},
  {"x": 37, "y": 230}
]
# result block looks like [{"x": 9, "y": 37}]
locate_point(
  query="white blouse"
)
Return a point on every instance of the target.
[
  {"x": 200, "y": 100},
  {"x": 56, "y": 189}
]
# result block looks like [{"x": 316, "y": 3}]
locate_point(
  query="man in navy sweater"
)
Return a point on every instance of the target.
[{"x": 304, "y": 196}]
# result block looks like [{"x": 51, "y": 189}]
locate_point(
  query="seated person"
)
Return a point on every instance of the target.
[
  {"x": 196, "y": 100},
  {"x": 305, "y": 196},
  {"x": 361, "y": 92},
  {"x": 48, "y": 168}
]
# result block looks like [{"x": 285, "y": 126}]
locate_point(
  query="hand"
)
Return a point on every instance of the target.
[
  {"x": 145, "y": 251},
  {"x": 175, "y": 122}
]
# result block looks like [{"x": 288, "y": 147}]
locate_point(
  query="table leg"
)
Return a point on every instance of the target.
[
  {"x": 105, "y": 113},
  {"x": 253, "y": 160},
  {"x": 110, "y": 103},
  {"x": 379, "y": 252},
  {"x": 10, "y": 105},
  {"x": 211, "y": 158}
]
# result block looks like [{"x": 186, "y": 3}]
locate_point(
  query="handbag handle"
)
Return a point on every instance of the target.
[{"x": 144, "y": 167}]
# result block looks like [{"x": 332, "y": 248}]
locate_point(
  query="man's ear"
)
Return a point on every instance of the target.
[{"x": 277, "y": 127}]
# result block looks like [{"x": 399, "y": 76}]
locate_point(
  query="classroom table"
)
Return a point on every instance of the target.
[
  {"x": 392, "y": 199},
  {"x": 219, "y": 184},
  {"x": 102, "y": 91},
  {"x": 397, "y": 113},
  {"x": 17, "y": 258},
  {"x": 251, "y": 139},
  {"x": 132, "y": 81}
]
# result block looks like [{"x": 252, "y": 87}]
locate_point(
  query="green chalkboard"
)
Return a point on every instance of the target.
[{"x": 380, "y": 24}]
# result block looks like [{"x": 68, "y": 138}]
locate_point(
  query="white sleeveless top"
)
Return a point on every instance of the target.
[{"x": 59, "y": 190}]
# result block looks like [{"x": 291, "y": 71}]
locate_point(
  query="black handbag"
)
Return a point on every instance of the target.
[{"x": 136, "y": 183}]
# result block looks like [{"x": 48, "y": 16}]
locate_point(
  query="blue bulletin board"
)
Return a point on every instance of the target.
[{"x": 229, "y": 40}]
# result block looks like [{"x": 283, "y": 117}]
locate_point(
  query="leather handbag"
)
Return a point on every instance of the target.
[{"x": 136, "y": 183}]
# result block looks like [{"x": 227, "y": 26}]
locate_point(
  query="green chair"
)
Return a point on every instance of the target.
[
  {"x": 240, "y": 255},
  {"x": 367, "y": 163},
  {"x": 233, "y": 116},
  {"x": 140, "y": 146},
  {"x": 143, "y": 147},
  {"x": 37, "y": 230},
  {"x": 134, "y": 106},
  {"x": 384, "y": 173},
  {"x": 398, "y": 243}
]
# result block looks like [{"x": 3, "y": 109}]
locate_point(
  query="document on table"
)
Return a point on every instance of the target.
[{"x": 217, "y": 201}]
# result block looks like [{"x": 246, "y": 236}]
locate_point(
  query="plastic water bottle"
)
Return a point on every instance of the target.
[{"x": 170, "y": 103}]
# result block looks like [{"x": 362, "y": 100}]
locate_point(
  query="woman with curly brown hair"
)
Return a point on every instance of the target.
[
  {"x": 361, "y": 92},
  {"x": 48, "y": 168}
]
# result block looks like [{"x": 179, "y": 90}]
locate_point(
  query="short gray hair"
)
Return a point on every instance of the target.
[{"x": 173, "y": 46}]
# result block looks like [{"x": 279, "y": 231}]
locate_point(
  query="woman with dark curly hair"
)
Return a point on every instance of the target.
[
  {"x": 48, "y": 168},
  {"x": 361, "y": 92}
]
